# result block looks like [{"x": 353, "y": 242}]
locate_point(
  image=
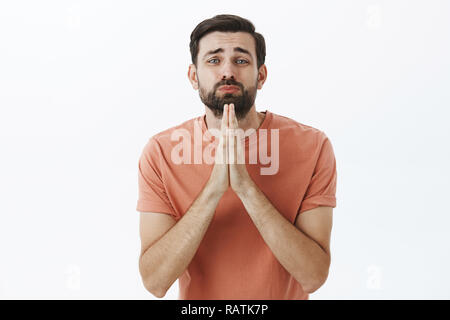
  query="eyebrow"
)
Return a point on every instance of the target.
[{"x": 235, "y": 49}]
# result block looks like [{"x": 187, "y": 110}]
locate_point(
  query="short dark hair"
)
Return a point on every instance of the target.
[{"x": 227, "y": 23}]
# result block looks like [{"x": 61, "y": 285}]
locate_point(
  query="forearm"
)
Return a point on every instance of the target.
[
  {"x": 301, "y": 256},
  {"x": 163, "y": 262}
]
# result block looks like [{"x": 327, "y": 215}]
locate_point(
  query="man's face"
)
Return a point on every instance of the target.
[{"x": 227, "y": 59}]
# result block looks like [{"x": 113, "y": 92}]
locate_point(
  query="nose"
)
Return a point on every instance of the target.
[{"x": 228, "y": 71}]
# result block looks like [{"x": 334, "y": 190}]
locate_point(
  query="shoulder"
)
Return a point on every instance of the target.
[
  {"x": 164, "y": 139},
  {"x": 165, "y": 135},
  {"x": 293, "y": 130}
]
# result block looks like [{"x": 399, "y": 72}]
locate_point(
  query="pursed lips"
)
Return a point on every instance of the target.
[{"x": 228, "y": 88}]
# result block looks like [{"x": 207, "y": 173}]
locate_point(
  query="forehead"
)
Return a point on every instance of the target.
[{"x": 227, "y": 41}]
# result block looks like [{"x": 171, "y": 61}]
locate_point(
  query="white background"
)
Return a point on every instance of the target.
[{"x": 84, "y": 84}]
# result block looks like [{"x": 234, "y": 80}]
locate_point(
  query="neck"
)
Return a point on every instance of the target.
[{"x": 252, "y": 120}]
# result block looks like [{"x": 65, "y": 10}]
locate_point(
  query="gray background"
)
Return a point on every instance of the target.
[{"x": 84, "y": 84}]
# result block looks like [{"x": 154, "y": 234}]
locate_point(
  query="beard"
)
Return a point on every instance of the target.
[{"x": 242, "y": 100}]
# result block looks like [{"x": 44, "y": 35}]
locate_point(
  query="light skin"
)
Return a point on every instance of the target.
[
  {"x": 303, "y": 250},
  {"x": 211, "y": 68},
  {"x": 167, "y": 247}
]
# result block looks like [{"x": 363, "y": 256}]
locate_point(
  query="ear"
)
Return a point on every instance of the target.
[
  {"x": 192, "y": 76},
  {"x": 262, "y": 76}
]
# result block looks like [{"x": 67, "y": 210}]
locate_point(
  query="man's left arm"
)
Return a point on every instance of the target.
[{"x": 302, "y": 248}]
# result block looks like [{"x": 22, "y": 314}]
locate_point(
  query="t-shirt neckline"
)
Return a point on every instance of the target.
[{"x": 264, "y": 125}]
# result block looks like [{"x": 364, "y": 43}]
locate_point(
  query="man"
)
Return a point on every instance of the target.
[{"x": 229, "y": 229}]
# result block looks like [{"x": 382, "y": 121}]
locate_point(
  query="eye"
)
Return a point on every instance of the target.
[
  {"x": 239, "y": 61},
  {"x": 213, "y": 59}
]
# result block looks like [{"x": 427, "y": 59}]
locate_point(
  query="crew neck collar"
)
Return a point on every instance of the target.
[{"x": 264, "y": 125}]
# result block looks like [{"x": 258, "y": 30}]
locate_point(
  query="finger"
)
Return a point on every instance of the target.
[
  {"x": 222, "y": 148},
  {"x": 233, "y": 120},
  {"x": 238, "y": 138},
  {"x": 230, "y": 116},
  {"x": 232, "y": 137},
  {"x": 234, "y": 125},
  {"x": 235, "y": 147},
  {"x": 225, "y": 129},
  {"x": 224, "y": 123},
  {"x": 231, "y": 146}
]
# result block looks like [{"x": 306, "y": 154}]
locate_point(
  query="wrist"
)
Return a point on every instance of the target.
[
  {"x": 246, "y": 188},
  {"x": 212, "y": 191}
]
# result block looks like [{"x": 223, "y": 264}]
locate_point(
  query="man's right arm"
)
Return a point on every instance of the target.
[
  {"x": 163, "y": 260},
  {"x": 168, "y": 247}
]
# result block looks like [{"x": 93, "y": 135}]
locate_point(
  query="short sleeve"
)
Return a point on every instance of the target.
[
  {"x": 152, "y": 193},
  {"x": 322, "y": 187}
]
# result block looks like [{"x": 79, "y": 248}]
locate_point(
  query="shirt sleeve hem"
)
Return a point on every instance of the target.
[
  {"x": 151, "y": 206},
  {"x": 318, "y": 201}
]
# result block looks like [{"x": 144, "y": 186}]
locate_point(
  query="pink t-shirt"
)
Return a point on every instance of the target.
[{"x": 233, "y": 261}]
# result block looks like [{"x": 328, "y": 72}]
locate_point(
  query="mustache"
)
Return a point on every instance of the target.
[{"x": 229, "y": 83}]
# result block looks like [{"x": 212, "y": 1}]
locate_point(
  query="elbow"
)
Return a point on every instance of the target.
[
  {"x": 158, "y": 292},
  {"x": 311, "y": 287},
  {"x": 316, "y": 282},
  {"x": 150, "y": 284}
]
